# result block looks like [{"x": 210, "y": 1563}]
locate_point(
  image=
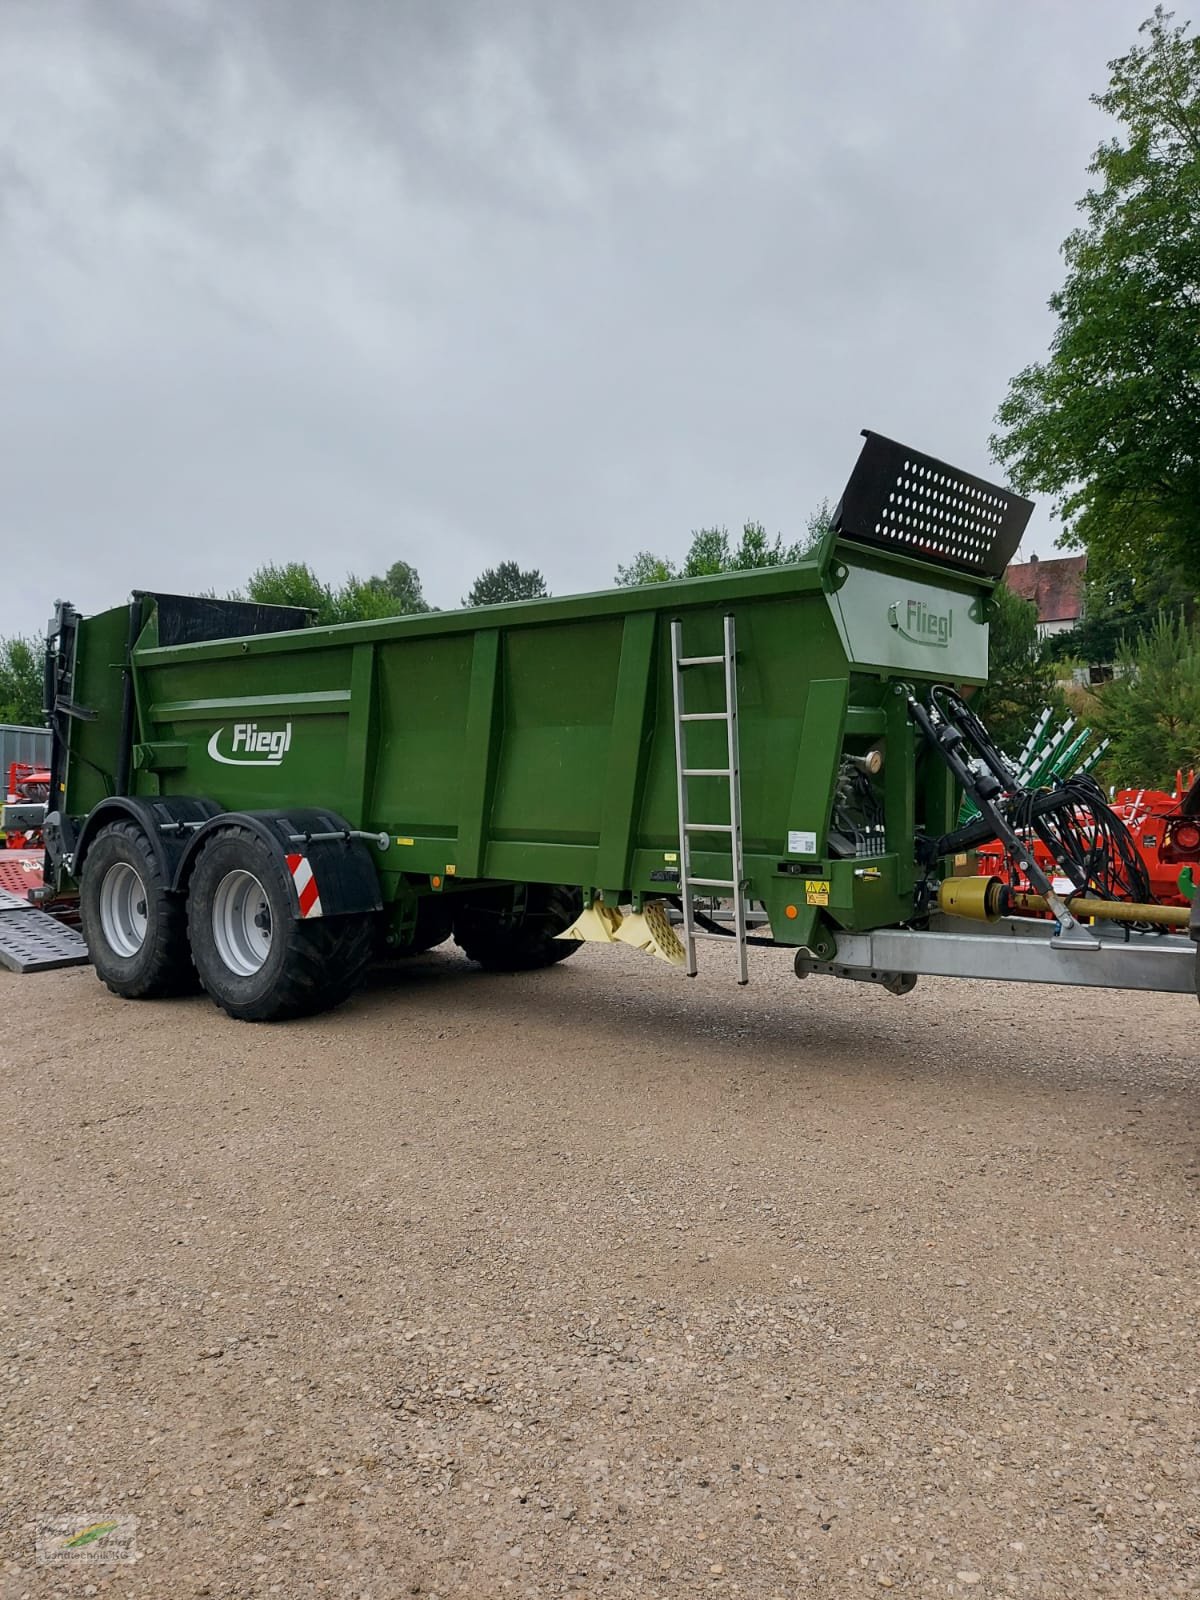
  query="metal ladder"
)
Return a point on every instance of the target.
[{"x": 735, "y": 883}]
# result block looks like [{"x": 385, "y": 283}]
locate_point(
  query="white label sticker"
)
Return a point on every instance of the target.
[{"x": 802, "y": 844}]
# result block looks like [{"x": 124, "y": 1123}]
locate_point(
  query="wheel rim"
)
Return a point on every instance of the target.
[
  {"x": 241, "y": 923},
  {"x": 123, "y": 910}
]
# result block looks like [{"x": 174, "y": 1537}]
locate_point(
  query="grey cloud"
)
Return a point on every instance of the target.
[{"x": 459, "y": 281}]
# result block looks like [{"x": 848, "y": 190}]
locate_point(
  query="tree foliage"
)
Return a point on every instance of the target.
[
  {"x": 498, "y": 585},
  {"x": 645, "y": 568},
  {"x": 711, "y": 551},
  {"x": 21, "y": 682},
  {"x": 1020, "y": 680},
  {"x": 397, "y": 593},
  {"x": 1151, "y": 709},
  {"x": 292, "y": 584},
  {"x": 1108, "y": 424},
  {"x": 402, "y": 585}
]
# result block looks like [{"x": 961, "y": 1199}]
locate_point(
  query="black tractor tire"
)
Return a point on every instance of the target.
[
  {"x": 307, "y": 966},
  {"x": 486, "y": 936},
  {"x": 136, "y": 929}
]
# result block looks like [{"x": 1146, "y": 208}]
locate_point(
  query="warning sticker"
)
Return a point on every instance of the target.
[
  {"x": 802, "y": 844},
  {"x": 816, "y": 891}
]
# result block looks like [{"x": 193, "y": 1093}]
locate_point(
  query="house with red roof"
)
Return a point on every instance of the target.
[{"x": 1055, "y": 587}]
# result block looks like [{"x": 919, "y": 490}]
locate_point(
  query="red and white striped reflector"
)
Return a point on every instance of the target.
[{"x": 307, "y": 892}]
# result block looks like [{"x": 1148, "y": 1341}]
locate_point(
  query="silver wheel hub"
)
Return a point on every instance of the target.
[
  {"x": 123, "y": 910},
  {"x": 241, "y": 923}
]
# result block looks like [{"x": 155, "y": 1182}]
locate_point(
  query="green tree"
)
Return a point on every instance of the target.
[
  {"x": 363, "y": 599},
  {"x": 1151, "y": 709},
  {"x": 816, "y": 527},
  {"x": 708, "y": 553},
  {"x": 21, "y": 682},
  {"x": 402, "y": 584},
  {"x": 498, "y": 585},
  {"x": 294, "y": 583},
  {"x": 1020, "y": 680},
  {"x": 711, "y": 551},
  {"x": 645, "y": 568},
  {"x": 1108, "y": 423}
]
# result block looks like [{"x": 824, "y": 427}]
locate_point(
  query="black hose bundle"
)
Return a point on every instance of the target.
[
  {"x": 1087, "y": 840},
  {"x": 1091, "y": 844}
]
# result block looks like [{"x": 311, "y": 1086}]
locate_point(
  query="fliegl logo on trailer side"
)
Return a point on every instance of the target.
[
  {"x": 921, "y": 624},
  {"x": 248, "y": 745}
]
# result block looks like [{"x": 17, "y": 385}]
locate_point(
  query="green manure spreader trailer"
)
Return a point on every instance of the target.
[{"x": 777, "y": 756}]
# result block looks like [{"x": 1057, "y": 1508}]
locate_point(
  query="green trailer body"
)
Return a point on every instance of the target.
[
  {"x": 505, "y": 767},
  {"x": 534, "y": 742}
]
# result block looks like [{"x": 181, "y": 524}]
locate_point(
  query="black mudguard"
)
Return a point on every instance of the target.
[{"x": 346, "y": 878}]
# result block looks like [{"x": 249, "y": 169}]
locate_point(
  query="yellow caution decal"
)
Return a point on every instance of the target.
[
  {"x": 650, "y": 930},
  {"x": 816, "y": 892}
]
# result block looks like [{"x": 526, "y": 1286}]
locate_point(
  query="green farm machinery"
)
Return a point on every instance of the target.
[{"x": 775, "y": 756}]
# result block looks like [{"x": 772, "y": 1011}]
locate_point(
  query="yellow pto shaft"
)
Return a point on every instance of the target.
[{"x": 986, "y": 899}]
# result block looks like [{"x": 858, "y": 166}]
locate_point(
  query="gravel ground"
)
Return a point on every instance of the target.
[{"x": 595, "y": 1282}]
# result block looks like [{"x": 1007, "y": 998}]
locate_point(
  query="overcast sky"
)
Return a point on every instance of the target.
[{"x": 461, "y": 280}]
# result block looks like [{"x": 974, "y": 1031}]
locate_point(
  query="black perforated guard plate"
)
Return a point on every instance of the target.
[{"x": 901, "y": 500}]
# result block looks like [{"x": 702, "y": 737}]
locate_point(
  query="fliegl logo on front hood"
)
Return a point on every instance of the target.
[
  {"x": 248, "y": 745},
  {"x": 920, "y": 623}
]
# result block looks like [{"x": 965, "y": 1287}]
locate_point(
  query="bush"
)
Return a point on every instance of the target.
[{"x": 1151, "y": 709}]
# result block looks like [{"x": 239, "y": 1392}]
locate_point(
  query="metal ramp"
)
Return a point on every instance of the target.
[
  {"x": 734, "y": 885},
  {"x": 31, "y": 941}
]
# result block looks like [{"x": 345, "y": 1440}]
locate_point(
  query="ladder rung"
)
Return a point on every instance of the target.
[
  {"x": 712, "y": 883},
  {"x": 705, "y": 716},
  {"x": 708, "y": 827},
  {"x": 707, "y": 772},
  {"x": 706, "y": 933},
  {"x": 699, "y": 661}
]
